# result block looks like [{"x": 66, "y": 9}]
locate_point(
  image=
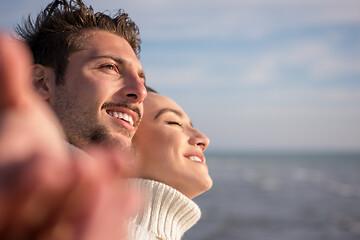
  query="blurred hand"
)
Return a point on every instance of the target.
[{"x": 44, "y": 192}]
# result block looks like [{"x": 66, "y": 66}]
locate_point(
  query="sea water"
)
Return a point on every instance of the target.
[{"x": 280, "y": 197}]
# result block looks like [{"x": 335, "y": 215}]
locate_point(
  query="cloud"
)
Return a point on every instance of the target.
[
  {"x": 196, "y": 19},
  {"x": 322, "y": 58},
  {"x": 309, "y": 59},
  {"x": 169, "y": 20},
  {"x": 304, "y": 61}
]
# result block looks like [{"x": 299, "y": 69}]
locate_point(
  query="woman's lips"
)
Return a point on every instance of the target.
[{"x": 196, "y": 157}]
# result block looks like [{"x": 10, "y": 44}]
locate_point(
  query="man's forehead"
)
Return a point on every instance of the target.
[
  {"x": 102, "y": 40},
  {"x": 102, "y": 44}
]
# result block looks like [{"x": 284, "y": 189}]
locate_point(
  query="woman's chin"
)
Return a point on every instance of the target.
[{"x": 201, "y": 188}]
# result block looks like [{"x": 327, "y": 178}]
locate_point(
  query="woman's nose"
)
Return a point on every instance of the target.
[{"x": 199, "y": 139}]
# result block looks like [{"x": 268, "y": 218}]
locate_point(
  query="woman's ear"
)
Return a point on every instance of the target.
[{"x": 43, "y": 81}]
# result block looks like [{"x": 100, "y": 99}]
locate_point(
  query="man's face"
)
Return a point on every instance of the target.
[{"x": 102, "y": 98}]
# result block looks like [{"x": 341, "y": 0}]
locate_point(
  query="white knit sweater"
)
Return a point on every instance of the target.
[{"x": 167, "y": 214}]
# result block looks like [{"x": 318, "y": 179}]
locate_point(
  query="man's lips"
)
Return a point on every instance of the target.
[
  {"x": 126, "y": 112},
  {"x": 127, "y": 117},
  {"x": 121, "y": 115}
]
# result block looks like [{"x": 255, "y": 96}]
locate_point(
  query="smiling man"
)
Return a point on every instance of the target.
[{"x": 87, "y": 69}]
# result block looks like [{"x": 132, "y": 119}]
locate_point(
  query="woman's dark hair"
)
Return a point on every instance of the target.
[
  {"x": 59, "y": 30},
  {"x": 149, "y": 89}
]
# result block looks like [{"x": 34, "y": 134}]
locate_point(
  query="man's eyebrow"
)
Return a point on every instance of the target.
[{"x": 120, "y": 61}]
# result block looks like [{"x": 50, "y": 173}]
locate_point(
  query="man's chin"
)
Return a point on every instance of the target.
[
  {"x": 119, "y": 141},
  {"x": 103, "y": 136}
]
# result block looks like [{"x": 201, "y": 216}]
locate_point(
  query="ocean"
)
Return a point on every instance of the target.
[{"x": 280, "y": 197}]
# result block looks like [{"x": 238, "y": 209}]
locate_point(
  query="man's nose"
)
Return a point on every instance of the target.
[{"x": 133, "y": 89}]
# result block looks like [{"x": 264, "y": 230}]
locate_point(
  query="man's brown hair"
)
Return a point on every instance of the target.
[{"x": 59, "y": 30}]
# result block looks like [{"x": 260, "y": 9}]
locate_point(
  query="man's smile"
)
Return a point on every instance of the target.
[{"x": 121, "y": 115}]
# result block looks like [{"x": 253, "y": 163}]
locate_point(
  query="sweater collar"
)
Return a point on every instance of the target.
[{"x": 167, "y": 213}]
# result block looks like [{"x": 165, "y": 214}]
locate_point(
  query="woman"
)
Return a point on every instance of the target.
[{"x": 172, "y": 170}]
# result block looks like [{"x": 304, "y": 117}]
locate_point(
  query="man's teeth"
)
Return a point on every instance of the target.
[
  {"x": 123, "y": 116},
  {"x": 195, "y": 159}
]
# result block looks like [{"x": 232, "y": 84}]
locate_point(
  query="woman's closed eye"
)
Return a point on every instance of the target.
[{"x": 174, "y": 123}]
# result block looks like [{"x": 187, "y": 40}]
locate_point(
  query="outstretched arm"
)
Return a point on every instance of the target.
[{"x": 44, "y": 192}]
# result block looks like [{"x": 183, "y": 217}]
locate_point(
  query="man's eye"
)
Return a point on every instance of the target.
[
  {"x": 173, "y": 123},
  {"x": 111, "y": 67}
]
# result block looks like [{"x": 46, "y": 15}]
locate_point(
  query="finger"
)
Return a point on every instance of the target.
[{"x": 15, "y": 72}]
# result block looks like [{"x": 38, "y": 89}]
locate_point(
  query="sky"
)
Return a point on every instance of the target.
[{"x": 253, "y": 75}]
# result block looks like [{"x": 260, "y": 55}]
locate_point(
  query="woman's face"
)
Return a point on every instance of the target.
[{"x": 170, "y": 149}]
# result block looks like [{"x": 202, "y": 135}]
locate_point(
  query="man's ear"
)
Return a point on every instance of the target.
[{"x": 43, "y": 81}]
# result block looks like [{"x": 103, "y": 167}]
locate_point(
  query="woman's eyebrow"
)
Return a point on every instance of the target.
[{"x": 164, "y": 110}]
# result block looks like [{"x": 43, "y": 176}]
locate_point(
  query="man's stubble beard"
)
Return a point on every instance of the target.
[{"x": 81, "y": 127}]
